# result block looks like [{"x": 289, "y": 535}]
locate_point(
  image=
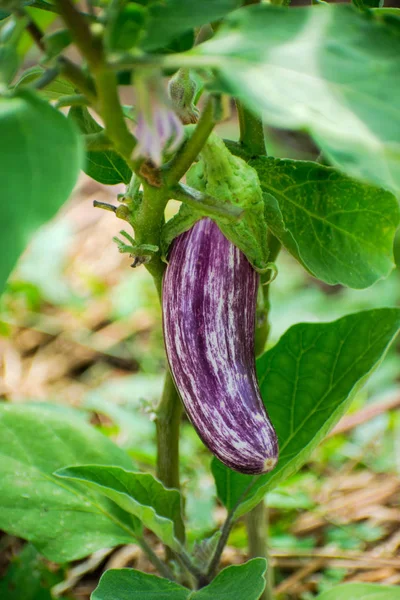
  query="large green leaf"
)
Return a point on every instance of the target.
[
  {"x": 329, "y": 69},
  {"x": 106, "y": 167},
  {"x": 141, "y": 494},
  {"x": 362, "y": 591},
  {"x": 243, "y": 582},
  {"x": 341, "y": 230},
  {"x": 40, "y": 157},
  {"x": 172, "y": 18},
  {"x": 63, "y": 520},
  {"x": 129, "y": 584},
  {"x": 307, "y": 381}
]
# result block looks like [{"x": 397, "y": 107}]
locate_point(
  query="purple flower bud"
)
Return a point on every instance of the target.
[{"x": 158, "y": 127}]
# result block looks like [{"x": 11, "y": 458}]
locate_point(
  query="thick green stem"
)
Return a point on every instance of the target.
[
  {"x": 168, "y": 419},
  {"x": 147, "y": 223},
  {"x": 108, "y": 104},
  {"x": 253, "y": 141},
  {"x": 257, "y": 527},
  {"x": 89, "y": 46},
  {"x": 251, "y": 130},
  {"x": 110, "y": 109}
]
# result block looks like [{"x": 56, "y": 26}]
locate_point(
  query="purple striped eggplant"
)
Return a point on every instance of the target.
[{"x": 209, "y": 302}]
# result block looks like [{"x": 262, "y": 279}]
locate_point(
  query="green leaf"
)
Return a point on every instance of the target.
[
  {"x": 172, "y": 18},
  {"x": 40, "y": 160},
  {"x": 303, "y": 407},
  {"x": 9, "y": 63},
  {"x": 64, "y": 521},
  {"x": 362, "y": 591},
  {"x": 367, "y": 4},
  {"x": 231, "y": 485},
  {"x": 105, "y": 167},
  {"x": 129, "y": 584},
  {"x": 125, "y": 26},
  {"x": 242, "y": 582},
  {"x": 53, "y": 91},
  {"x": 341, "y": 230},
  {"x": 140, "y": 494},
  {"x": 329, "y": 69},
  {"x": 27, "y": 577}
]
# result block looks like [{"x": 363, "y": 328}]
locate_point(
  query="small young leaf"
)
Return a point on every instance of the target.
[
  {"x": 64, "y": 521},
  {"x": 105, "y": 167},
  {"x": 53, "y": 91},
  {"x": 362, "y": 591},
  {"x": 141, "y": 494},
  {"x": 341, "y": 230},
  {"x": 303, "y": 407},
  {"x": 242, "y": 582},
  {"x": 40, "y": 159}
]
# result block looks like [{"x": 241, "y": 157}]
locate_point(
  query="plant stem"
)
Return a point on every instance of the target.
[
  {"x": 111, "y": 111},
  {"x": 253, "y": 141},
  {"x": 187, "y": 154},
  {"x": 168, "y": 419},
  {"x": 147, "y": 223},
  {"x": 251, "y": 130},
  {"x": 257, "y": 527},
  {"x": 108, "y": 103},
  {"x": 78, "y": 78},
  {"x": 89, "y": 45},
  {"x": 72, "y": 100},
  {"x": 95, "y": 142},
  {"x": 225, "y": 531},
  {"x": 160, "y": 565}
]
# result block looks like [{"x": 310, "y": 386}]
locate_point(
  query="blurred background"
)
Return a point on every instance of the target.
[{"x": 80, "y": 329}]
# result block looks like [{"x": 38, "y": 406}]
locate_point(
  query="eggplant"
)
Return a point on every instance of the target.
[{"x": 209, "y": 304}]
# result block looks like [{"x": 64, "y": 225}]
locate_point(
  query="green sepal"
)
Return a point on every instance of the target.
[
  {"x": 181, "y": 222},
  {"x": 230, "y": 180}
]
